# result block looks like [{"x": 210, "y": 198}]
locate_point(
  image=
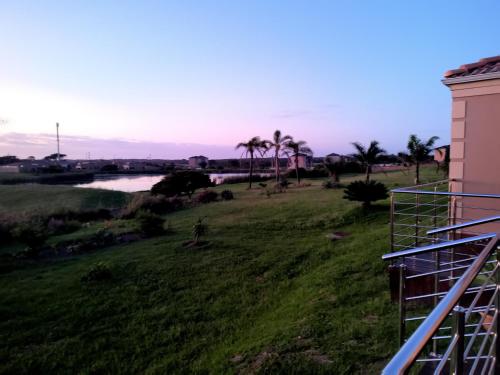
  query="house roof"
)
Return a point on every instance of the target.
[{"x": 488, "y": 65}]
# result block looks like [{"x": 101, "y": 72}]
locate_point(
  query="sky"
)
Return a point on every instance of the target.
[{"x": 166, "y": 79}]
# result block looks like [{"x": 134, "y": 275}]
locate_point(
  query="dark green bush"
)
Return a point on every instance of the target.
[
  {"x": 244, "y": 179},
  {"x": 366, "y": 193},
  {"x": 157, "y": 204},
  {"x": 328, "y": 184},
  {"x": 6, "y": 227},
  {"x": 151, "y": 224},
  {"x": 32, "y": 233},
  {"x": 181, "y": 183},
  {"x": 207, "y": 196},
  {"x": 97, "y": 272},
  {"x": 227, "y": 195},
  {"x": 62, "y": 226}
]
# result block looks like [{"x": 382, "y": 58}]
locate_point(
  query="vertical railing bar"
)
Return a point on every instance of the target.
[
  {"x": 402, "y": 304},
  {"x": 457, "y": 356}
]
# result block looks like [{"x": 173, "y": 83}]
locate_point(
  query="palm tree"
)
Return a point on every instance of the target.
[
  {"x": 278, "y": 143},
  {"x": 254, "y": 145},
  {"x": 419, "y": 152},
  {"x": 368, "y": 156},
  {"x": 296, "y": 148},
  {"x": 334, "y": 168}
]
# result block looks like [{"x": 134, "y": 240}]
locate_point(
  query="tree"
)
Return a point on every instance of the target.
[
  {"x": 8, "y": 159},
  {"x": 278, "y": 143},
  {"x": 368, "y": 156},
  {"x": 202, "y": 164},
  {"x": 181, "y": 183},
  {"x": 254, "y": 145},
  {"x": 297, "y": 148},
  {"x": 405, "y": 159},
  {"x": 366, "y": 192},
  {"x": 334, "y": 168},
  {"x": 419, "y": 152}
]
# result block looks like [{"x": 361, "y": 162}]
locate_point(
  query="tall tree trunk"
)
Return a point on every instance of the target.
[
  {"x": 277, "y": 165},
  {"x": 297, "y": 168},
  {"x": 368, "y": 170},
  {"x": 417, "y": 173},
  {"x": 251, "y": 171}
]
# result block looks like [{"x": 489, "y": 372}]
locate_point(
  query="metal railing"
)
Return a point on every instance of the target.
[
  {"x": 437, "y": 238},
  {"x": 465, "y": 330}
]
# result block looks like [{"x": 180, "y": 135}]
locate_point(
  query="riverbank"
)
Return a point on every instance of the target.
[{"x": 46, "y": 178}]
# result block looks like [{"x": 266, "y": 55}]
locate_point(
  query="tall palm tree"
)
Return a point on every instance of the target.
[
  {"x": 334, "y": 168},
  {"x": 296, "y": 148},
  {"x": 278, "y": 143},
  {"x": 368, "y": 156},
  {"x": 254, "y": 145},
  {"x": 419, "y": 152}
]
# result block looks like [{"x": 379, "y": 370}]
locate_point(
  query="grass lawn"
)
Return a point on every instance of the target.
[
  {"x": 46, "y": 199},
  {"x": 271, "y": 293}
]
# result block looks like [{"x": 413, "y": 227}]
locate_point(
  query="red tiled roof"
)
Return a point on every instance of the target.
[{"x": 483, "y": 66}]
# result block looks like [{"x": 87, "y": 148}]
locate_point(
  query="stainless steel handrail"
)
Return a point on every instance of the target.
[
  {"x": 409, "y": 352},
  {"x": 438, "y": 246},
  {"x": 451, "y": 194},
  {"x": 467, "y": 224}
]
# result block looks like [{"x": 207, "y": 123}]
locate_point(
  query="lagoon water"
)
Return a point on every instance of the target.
[{"x": 133, "y": 183}]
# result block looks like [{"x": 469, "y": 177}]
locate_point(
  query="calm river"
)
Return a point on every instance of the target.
[{"x": 133, "y": 183}]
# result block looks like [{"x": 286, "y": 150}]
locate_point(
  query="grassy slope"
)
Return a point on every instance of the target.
[
  {"x": 271, "y": 287},
  {"x": 45, "y": 199}
]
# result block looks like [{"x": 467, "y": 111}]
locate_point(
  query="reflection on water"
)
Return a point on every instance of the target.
[{"x": 133, "y": 183}]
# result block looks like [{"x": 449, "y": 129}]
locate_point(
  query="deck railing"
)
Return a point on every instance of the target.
[{"x": 444, "y": 255}]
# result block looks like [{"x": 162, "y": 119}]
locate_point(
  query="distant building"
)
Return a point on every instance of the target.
[
  {"x": 303, "y": 160},
  {"x": 335, "y": 158},
  {"x": 198, "y": 161}
]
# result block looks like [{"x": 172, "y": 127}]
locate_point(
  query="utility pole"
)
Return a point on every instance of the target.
[{"x": 58, "y": 151}]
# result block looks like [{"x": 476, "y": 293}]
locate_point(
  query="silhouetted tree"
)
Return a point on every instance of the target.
[
  {"x": 295, "y": 148},
  {"x": 368, "y": 156},
  {"x": 278, "y": 143},
  {"x": 419, "y": 152},
  {"x": 254, "y": 145}
]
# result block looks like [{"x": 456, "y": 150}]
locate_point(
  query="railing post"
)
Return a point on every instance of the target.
[
  {"x": 392, "y": 221},
  {"x": 497, "y": 307},
  {"x": 402, "y": 303},
  {"x": 457, "y": 356},
  {"x": 417, "y": 202}
]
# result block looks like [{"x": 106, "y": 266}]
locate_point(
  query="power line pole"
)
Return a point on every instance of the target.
[{"x": 58, "y": 151}]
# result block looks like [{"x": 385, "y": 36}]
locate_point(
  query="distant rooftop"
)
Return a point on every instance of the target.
[{"x": 485, "y": 66}]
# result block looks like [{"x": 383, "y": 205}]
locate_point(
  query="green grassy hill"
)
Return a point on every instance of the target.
[{"x": 271, "y": 293}]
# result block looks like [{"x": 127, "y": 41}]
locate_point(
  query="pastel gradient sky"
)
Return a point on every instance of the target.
[{"x": 219, "y": 72}]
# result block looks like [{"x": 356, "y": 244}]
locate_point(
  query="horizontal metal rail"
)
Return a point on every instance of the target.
[
  {"x": 467, "y": 224},
  {"x": 438, "y": 246},
  {"x": 451, "y": 194},
  {"x": 412, "y": 348}
]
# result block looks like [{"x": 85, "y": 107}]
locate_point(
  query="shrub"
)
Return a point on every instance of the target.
[
  {"x": 199, "y": 230},
  {"x": 227, "y": 195},
  {"x": 32, "y": 233},
  {"x": 5, "y": 231},
  {"x": 207, "y": 196},
  {"x": 365, "y": 192},
  {"x": 151, "y": 224},
  {"x": 181, "y": 183},
  {"x": 97, "y": 272},
  {"x": 157, "y": 204},
  {"x": 244, "y": 179},
  {"x": 327, "y": 184},
  {"x": 61, "y": 226}
]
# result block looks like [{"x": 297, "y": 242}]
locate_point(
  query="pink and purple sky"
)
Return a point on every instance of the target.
[{"x": 169, "y": 79}]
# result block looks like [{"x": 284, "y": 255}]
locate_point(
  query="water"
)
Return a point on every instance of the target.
[{"x": 133, "y": 183}]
